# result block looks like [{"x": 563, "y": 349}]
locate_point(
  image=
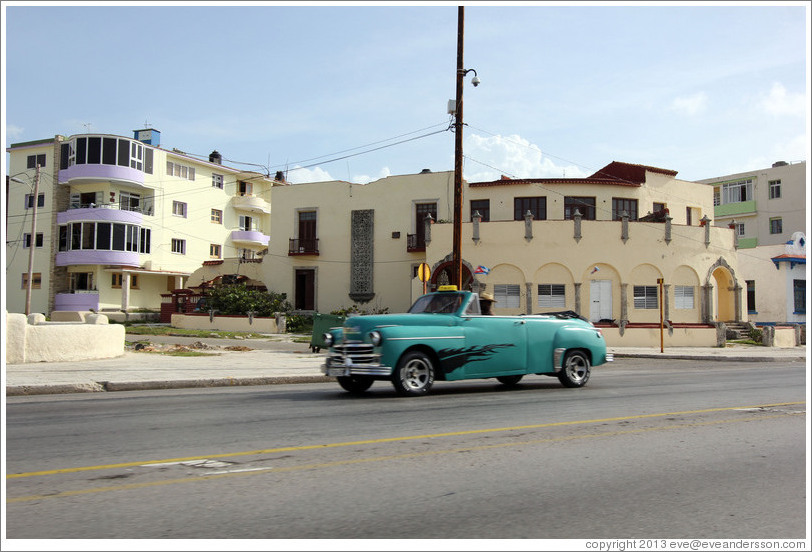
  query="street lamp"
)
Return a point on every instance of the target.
[{"x": 456, "y": 256}]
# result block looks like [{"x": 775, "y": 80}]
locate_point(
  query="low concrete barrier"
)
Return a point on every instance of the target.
[
  {"x": 32, "y": 339},
  {"x": 785, "y": 337},
  {"x": 114, "y": 316},
  {"x": 230, "y": 323}
]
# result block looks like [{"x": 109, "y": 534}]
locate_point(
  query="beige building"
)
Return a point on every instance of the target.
[
  {"x": 767, "y": 210},
  {"x": 766, "y": 206},
  {"x": 119, "y": 220},
  {"x": 596, "y": 245}
]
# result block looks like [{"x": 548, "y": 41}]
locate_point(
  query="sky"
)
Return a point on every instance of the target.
[{"x": 359, "y": 92}]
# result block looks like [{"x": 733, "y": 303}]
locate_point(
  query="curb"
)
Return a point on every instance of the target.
[
  {"x": 112, "y": 386},
  {"x": 107, "y": 386},
  {"x": 712, "y": 357}
]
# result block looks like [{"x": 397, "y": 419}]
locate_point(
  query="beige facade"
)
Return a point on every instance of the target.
[
  {"x": 767, "y": 209},
  {"x": 371, "y": 238},
  {"x": 367, "y": 246},
  {"x": 775, "y": 282},
  {"x": 123, "y": 220},
  {"x": 767, "y": 205}
]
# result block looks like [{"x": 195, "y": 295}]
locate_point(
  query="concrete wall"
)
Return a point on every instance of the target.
[
  {"x": 31, "y": 339},
  {"x": 229, "y": 323},
  {"x": 650, "y": 337}
]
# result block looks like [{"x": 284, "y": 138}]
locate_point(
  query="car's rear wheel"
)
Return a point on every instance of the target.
[
  {"x": 355, "y": 384},
  {"x": 414, "y": 374},
  {"x": 510, "y": 381},
  {"x": 576, "y": 369}
]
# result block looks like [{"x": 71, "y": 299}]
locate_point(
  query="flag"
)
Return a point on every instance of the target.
[{"x": 482, "y": 270}]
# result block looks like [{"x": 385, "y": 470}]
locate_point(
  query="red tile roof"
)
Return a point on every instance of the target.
[
  {"x": 615, "y": 173},
  {"x": 629, "y": 172}
]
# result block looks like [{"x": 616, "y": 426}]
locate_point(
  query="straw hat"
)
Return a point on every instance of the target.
[{"x": 485, "y": 296}]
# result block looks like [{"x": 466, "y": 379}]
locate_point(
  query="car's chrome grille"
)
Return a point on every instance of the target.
[{"x": 357, "y": 353}]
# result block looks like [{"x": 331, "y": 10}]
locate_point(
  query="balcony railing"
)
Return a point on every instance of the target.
[
  {"x": 145, "y": 209},
  {"x": 303, "y": 246},
  {"x": 415, "y": 245}
]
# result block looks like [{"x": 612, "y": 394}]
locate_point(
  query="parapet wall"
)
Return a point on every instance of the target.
[
  {"x": 228, "y": 323},
  {"x": 32, "y": 339},
  {"x": 705, "y": 336}
]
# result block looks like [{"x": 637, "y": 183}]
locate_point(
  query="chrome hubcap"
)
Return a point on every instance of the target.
[
  {"x": 415, "y": 374},
  {"x": 576, "y": 368}
]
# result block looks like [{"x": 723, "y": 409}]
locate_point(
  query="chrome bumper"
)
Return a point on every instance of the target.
[
  {"x": 610, "y": 357},
  {"x": 354, "y": 359},
  {"x": 349, "y": 369}
]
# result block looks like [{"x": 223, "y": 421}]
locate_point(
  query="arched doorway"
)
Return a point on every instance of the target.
[
  {"x": 724, "y": 294},
  {"x": 442, "y": 275},
  {"x": 725, "y": 304}
]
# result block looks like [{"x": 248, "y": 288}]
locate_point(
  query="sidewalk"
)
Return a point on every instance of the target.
[{"x": 269, "y": 362}]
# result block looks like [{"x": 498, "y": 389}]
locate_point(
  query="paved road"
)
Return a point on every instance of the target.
[{"x": 680, "y": 452}]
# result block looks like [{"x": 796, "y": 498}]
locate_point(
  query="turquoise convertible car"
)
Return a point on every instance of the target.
[{"x": 444, "y": 337}]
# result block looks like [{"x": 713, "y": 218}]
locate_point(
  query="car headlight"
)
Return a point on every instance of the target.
[
  {"x": 328, "y": 339},
  {"x": 375, "y": 337}
]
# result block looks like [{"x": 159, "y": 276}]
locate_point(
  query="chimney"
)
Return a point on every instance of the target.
[{"x": 215, "y": 157}]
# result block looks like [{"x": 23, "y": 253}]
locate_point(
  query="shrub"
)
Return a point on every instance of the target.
[
  {"x": 238, "y": 299},
  {"x": 356, "y": 310},
  {"x": 299, "y": 323}
]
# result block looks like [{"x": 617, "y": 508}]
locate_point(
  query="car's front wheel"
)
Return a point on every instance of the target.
[
  {"x": 414, "y": 374},
  {"x": 576, "y": 369},
  {"x": 355, "y": 384}
]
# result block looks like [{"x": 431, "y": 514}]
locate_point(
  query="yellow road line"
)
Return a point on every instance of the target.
[
  {"x": 387, "y": 440},
  {"x": 324, "y": 465}
]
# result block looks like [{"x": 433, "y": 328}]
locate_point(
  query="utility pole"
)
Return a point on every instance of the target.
[
  {"x": 33, "y": 244},
  {"x": 456, "y": 256}
]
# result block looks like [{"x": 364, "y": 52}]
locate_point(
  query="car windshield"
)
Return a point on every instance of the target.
[{"x": 441, "y": 303}]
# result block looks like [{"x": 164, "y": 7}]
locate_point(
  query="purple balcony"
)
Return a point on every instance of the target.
[
  {"x": 76, "y": 174},
  {"x": 99, "y": 214},
  {"x": 95, "y": 257}
]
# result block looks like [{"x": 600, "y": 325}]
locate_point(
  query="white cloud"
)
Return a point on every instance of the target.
[
  {"x": 779, "y": 102},
  {"x": 299, "y": 175},
  {"x": 690, "y": 105},
  {"x": 14, "y": 132},
  {"x": 366, "y": 179},
  {"x": 794, "y": 150},
  {"x": 488, "y": 158}
]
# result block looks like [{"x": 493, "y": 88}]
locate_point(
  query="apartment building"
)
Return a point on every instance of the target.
[
  {"x": 765, "y": 206},
  {"x": 121, "y": 220},
  {"x": 767, "y": 210},
  {"x": 598, "y": 245}
]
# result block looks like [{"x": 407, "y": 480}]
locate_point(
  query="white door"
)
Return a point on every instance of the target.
[{"x": 600, "y": 295}]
